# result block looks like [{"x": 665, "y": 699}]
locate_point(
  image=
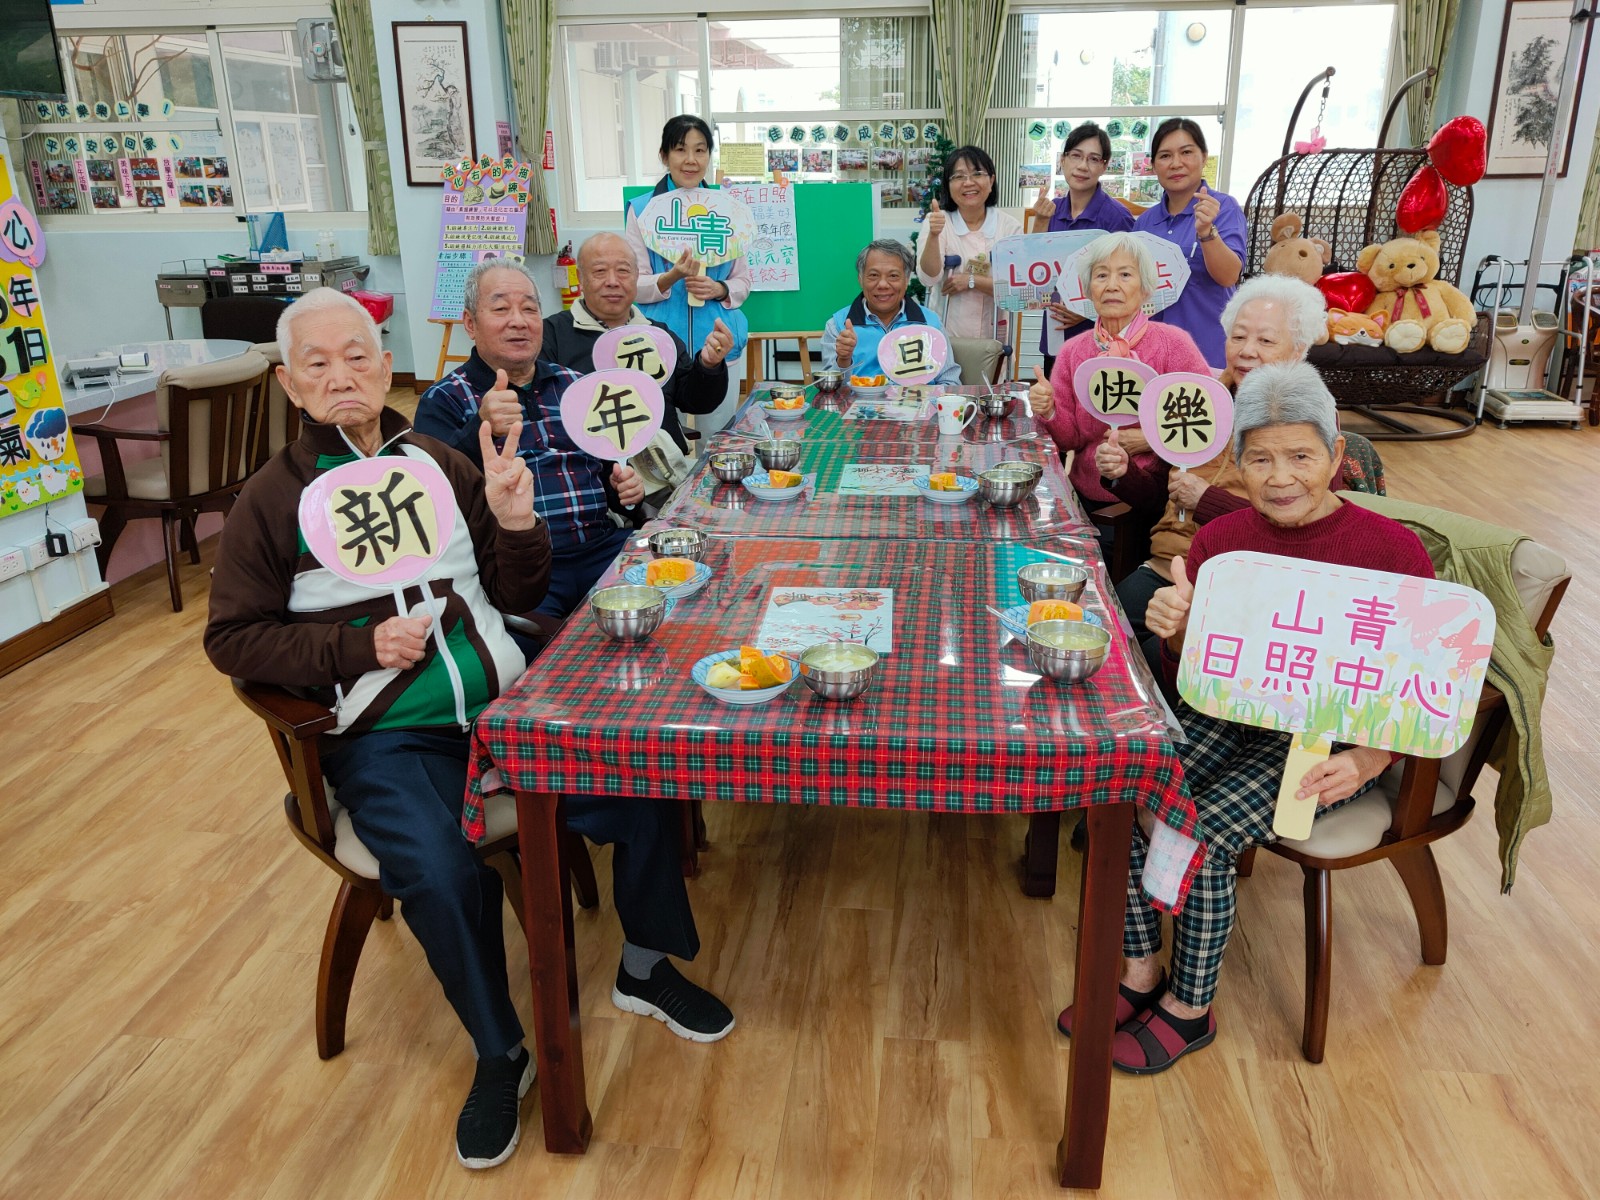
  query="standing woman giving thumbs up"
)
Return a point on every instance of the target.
[{"x": 962, "y": 227}]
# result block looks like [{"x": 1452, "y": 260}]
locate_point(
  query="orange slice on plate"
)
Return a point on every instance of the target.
[
  {"x": 943, "y": 481},
  {"x": 1054, "y": 610},
  {"x": 668, "y": 572},
  {"x": 783, "y": 479}
]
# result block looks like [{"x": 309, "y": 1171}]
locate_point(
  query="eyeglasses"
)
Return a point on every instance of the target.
[
  {"x": 975, "y": 177},
  {"x": 1081, "y": 159}
]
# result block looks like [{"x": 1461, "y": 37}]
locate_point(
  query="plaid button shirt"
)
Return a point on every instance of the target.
[{"x": 570, "y": 488}]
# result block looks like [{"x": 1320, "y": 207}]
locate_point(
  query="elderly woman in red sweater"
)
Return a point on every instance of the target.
[
  {"x": 1119, "y": 275},
  {"x": 1288, "y": 447}
]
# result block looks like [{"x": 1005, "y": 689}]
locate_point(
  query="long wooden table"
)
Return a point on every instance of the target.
[{"x": 956, "y": 721}]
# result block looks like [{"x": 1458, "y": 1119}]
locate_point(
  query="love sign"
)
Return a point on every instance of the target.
[
  {"x": 637, "y": 348},
  {"x": 1335, "y": 654},
  {"x": 1172, "y": 273},
  {"x": 913, "y": 354},
  {"x": 379, "y": 522},
  {"x": 612, "y": 414},
  {"x": 1111, "y": 388},
  {"x": 1026, "y": 265},
  {"x": 1187, "y": 418}
]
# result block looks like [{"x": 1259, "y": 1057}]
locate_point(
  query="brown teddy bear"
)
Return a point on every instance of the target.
[
  {"x": 1420, "y": 309},
  {"x": 1298, "y": 257}
]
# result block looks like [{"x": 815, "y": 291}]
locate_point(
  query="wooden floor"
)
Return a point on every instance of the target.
[{"x": 896, "y": 994}]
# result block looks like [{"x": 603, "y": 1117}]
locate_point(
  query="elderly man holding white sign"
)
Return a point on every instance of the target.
[
  {"x": 1289, "y": 449},
  {"x": 504, "y": 385},
  {"x": 368, "y": 566}
]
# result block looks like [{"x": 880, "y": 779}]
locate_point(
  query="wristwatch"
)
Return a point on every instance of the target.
[{"x": 1210, "y": 237}]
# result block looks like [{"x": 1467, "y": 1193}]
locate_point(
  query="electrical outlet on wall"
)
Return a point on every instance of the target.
[
  {"x": 84, "y": 533},
  {"x": 13, "y": 562},
  {"x": 38, "y": 554}
]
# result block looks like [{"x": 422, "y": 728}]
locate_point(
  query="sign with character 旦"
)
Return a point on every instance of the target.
[
  {"x": 913, "y": 354},
  {"x": 637, "y": 348},
  {"x": 38, "y": 461},
  {"x": 613, "y": 414},
  {"x": 1334, "y": 654}
]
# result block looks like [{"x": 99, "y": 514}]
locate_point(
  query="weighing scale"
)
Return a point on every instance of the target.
[{"x": 1522, "y": 344}]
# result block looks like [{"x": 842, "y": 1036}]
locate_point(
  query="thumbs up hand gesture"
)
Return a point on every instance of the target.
[
  {"x": 500, "y": 409},
  {"x": 844, "y": 347},
  {"x": 936, "y": 220},
  {"x": 1110, "y": 459},
  {"x": 1042, "y": 396},
  {"x": 1168, "y": 613}
]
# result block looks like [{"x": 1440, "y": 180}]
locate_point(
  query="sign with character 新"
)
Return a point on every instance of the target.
[
  {"x": 380, "y": 522},
  {"x": 1334, "y": 654},
  {"x": 913, "y": 354},
  {"x": 637, "y": 348},
  {"x": 613, "y": 414}
]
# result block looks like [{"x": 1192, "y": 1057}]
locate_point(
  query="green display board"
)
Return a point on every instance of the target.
[{"x": 833, "y": 221}]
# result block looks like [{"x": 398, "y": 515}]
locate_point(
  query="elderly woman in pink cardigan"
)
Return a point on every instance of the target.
[{"x": 1119, "y": 275}]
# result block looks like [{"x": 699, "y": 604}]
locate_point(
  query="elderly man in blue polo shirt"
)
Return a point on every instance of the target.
[
  {"x": 850, "y": 342},
  {"x": 583, "y": 499}
]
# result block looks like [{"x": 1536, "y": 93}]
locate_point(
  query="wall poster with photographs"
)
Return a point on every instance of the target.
[{"x": 435, "y": 98}]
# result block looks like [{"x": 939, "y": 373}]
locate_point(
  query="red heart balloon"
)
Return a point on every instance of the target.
[
  {"x": 1349, "y": 290},
  {"x": 1423, "y": 202},
  {"x": 1460, "y": 150}
]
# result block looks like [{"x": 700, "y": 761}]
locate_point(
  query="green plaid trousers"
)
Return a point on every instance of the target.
[{"x": 1233, "y": 772}]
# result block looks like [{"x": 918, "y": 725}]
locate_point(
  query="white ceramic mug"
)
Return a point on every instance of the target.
[{"x": 955, "y": 414}]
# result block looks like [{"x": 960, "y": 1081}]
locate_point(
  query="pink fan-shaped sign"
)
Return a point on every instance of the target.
[
  {"x": 637, "y": 348},
  {"x": 913, "y": 354},
  {"x": 379, "y": 522},
  {"x": 613, "y": 414},
  {"x": 1187, "y": 418},
  {"x": 1112, "y": 389}
]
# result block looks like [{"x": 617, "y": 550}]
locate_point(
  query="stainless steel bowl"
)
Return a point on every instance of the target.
[
  {"x": 1057, "y": 662},
  {"x": 778, "y": 454},
  {"x": 1032, "y": 469},
  {"x": 837, "y": 682},
  {"x": 786, "y": 391},
  {"x": 731, "y": 466},
  {"x": 1005, "y": 489},
  {"x": 995, "y": 405},
  {"x": 1052, "y": 581},
  {"x": 628, "y": 612},
  {"x": 679, "y": 543},
  {"x": 828, "y": 381}
]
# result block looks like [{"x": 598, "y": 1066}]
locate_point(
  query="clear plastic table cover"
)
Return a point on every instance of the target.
[
  {"x": 826, "y": 419},
  {"x": 956, "y": 718}
]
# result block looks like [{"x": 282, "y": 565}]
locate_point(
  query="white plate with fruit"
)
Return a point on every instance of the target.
[
  {"x": 946, "y": 487},
  {"x": 677, "y": 577},
  {"x": 743, "y": 676}
]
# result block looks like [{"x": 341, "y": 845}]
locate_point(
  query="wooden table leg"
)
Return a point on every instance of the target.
[
  {"x": 1102, "y": 901},
  {"x": 1039, "y": 852},
  {"x": 557, "y": 1037}
]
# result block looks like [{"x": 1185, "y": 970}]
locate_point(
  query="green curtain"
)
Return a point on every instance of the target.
[
  {"x": 1588, "y": 235},
  {"x": 354, "y": 18},
  {"x": 1426, "y": 28},
  {"x": 530, "y": 27},
  {"x": 968, "y": 36}
]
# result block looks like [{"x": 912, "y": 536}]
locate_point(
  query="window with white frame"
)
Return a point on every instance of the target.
[{"x": 172, "y": 121}]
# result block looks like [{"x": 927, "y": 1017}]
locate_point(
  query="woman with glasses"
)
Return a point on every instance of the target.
[
  {"x": 963, "y": 226},
  {"x": 1085, "y": 206},
  {"x": 1207, "y": 227}
]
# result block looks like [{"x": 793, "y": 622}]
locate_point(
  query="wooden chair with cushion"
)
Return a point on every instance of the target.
[
  {"x": 283, "y": 418},
  {"x": 209, "y": 422},
  {"x": 323, "y": 827},
  {"x": 1417, "y": 802}
]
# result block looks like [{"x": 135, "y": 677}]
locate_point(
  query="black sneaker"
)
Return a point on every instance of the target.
[
  {"x": 489, "y": 1125},
  {"x": 687, "y": 1008}
]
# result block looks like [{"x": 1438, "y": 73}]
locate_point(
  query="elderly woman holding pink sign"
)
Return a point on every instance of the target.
[
  {"x": 1289, "y": 450},
  {"x": 1090, "y": 394}
]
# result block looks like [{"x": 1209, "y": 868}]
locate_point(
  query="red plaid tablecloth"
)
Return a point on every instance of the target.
[
  {"x": 705, "y": 502},
  {"x": 956, "y": 721},
  {"x": 825, "y": 420}
]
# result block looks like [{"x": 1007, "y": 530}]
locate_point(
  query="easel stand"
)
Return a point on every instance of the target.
[{"x": 445, "y": 356}]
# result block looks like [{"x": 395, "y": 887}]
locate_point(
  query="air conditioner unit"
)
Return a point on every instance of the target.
[
  {"x": 615, "y": 56},
  {"x": 321, "y": 54}
]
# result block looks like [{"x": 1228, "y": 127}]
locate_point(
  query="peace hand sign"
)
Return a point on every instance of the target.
[{"x": 507, "y": 482}]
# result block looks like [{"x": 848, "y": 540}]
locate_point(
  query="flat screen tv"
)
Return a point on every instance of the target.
[{"x": 29, "y": 62}]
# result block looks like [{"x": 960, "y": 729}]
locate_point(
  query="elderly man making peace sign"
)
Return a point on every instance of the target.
[{"x": 405, "y": 693}]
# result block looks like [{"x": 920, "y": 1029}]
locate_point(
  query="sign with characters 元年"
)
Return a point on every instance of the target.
[
  {"x": 637, "y": 348},
  {"x": 613, "y": 414}
]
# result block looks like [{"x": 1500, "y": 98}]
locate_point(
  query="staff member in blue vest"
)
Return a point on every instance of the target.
[
  {"x": 1084, "y": 158},
  {"x": 1207, "y": 227},
  {"x": 850, "y": 341},
  {"x": 665, "y": 287}
]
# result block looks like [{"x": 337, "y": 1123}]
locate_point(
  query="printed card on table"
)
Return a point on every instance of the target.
[
  {"x": 889, "y": 410},
  {"x": 798, "y": 618},
  {"x": 881, "y": 479}
]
